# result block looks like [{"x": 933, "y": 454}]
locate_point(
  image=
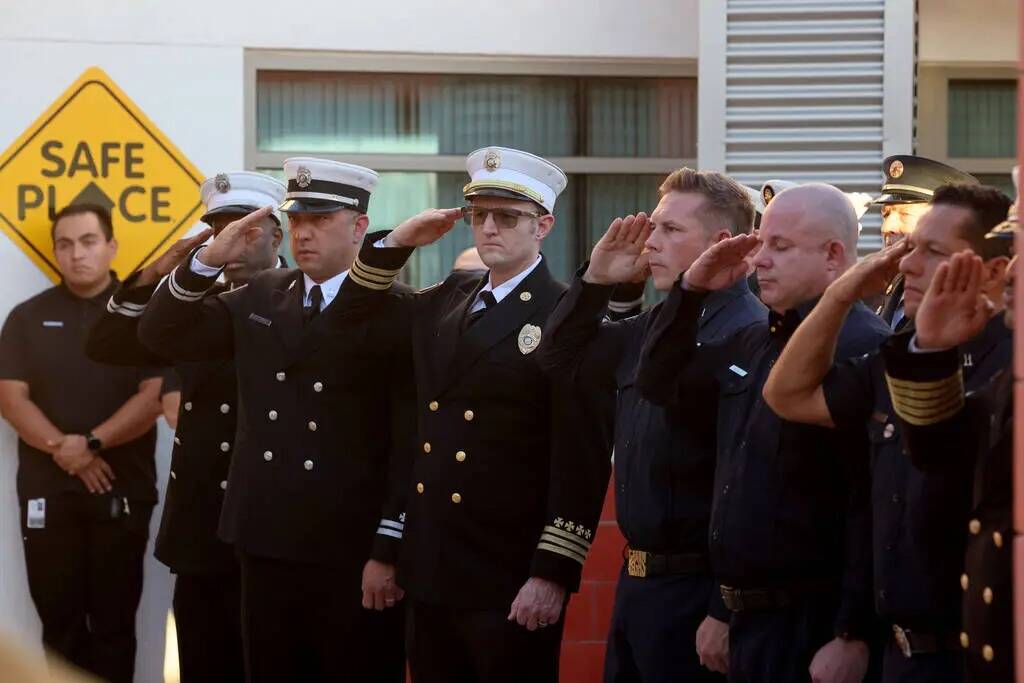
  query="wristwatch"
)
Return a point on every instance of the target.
[{"x": 93, "y": 442}]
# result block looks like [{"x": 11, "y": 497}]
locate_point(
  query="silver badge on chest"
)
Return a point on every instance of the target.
[{"x": 529, "y": 338}]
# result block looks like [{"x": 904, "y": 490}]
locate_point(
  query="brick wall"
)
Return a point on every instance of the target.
[{"x": 590, "y": 610}]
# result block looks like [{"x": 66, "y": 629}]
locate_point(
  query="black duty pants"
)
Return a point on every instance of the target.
[
  {"x": 208, "y": 619},
  {"x": 85, "y": 576},
  {"x": 451, "y": 645},
  {"x": 306, "y": 622},
  {"x": 654, "y": 629}
]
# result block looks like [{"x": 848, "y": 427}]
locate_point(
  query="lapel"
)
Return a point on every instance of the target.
[
  {"x": 506, "y": 319},
  {"x": 448, "y": 328},
  {"x": 286, "y": 310}
]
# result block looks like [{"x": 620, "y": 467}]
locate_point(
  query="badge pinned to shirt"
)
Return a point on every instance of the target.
[
  {"x": 259, "y": 319},
  {"x": 529, "y": 339},
  {"x": 36, "y": 516},
  {"x": 738, "y": 370}
]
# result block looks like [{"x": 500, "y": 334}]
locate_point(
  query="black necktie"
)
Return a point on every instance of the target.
[
  {"x": 489, "y": 302},
  {"x": 316, "y": 297}
]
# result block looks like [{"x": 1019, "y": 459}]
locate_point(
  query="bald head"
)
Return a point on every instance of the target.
[
  {"x": 820, "y": 210},
  {"x": 808, "y": 239}
]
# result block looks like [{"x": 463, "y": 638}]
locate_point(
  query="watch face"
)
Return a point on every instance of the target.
[{"x": 93, "y": 443}]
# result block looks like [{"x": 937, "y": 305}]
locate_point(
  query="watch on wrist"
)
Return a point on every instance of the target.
[{"x": 93, "y": 442}]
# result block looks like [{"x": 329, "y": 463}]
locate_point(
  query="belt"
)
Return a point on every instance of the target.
[
  {"x": 763, "y": 599},
  {"x": 913, "y": 643},
  {"x": 640, "y": 563}
]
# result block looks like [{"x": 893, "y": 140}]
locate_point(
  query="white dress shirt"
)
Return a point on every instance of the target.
[{"x": 505, "y": 288}]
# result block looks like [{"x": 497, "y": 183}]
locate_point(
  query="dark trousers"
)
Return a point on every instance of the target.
[
  {"x": 939, "y": 667},
  {"x": 654, "y": 630},
  {"x": 208, "y": 619},
  {"x": 777, "y": 646},
  {"x": 306, "y": 622},
  {"x": 451, "y": 645},
  {"x": 85, "y": 577}
]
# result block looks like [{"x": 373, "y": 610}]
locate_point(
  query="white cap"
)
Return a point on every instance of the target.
[
  {"x": 325, "y": 186},
  {"x": 503, "y": 172},
  {"x": 755, "y": 198},
  {"x": 240, "y": 192}
]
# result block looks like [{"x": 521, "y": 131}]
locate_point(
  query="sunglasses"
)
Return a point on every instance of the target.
[{"x": 505, "y": 219}]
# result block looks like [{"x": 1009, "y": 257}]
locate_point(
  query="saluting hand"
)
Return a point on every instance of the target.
[
  {"x": 722, "y": 265},
  {"x": 538, "y": 604},
  {"x": 954, "y": 309},
  {"x": 230, "y": 244},
  {"x": 619, "y": 254},
  {"x": 869, "y": 276},
  {"x": 170, "y": 259},
  {"x": 379, "y": 588},
  {"x": 424, "y": 228}
]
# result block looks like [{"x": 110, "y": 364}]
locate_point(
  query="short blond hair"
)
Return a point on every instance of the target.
[{"x": 726, "y": 202}]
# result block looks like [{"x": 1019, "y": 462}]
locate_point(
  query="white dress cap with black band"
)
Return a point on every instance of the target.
[
  {"x": 325, "y": 186},
  {"x": 504, "y": 172},
  {"x": 239, "y": 193}
]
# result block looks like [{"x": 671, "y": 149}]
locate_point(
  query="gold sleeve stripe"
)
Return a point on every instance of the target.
[
  {"x": 565, "y": 552},
  {"x": 370, "y": 276},
  {"x": 367, "y": 283},
  {"x": 555, "y": 532},
  {"x": 925, "y": 403},
  {"x": 383, "y": 272}
]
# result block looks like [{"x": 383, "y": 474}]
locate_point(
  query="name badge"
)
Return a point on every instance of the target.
[
  {"x": 36, "y": 514},
  {"x": 738, "y": 370},
  {"x": 53, "y": 323},
  {"x": 259, "y": 319}
]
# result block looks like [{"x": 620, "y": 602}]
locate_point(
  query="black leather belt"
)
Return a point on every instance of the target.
[
  {"x": 913, "y": 643},
  {"x": 642, "y": 564},
  {"x": 764, "y": 599}
]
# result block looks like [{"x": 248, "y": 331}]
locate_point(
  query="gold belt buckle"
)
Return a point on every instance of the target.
[
  {"x": 637, "y": 565},
  {"x": 902, "y": 641}
]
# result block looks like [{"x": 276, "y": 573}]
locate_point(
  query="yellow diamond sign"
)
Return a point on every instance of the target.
[{"x": 94, "y": 145}]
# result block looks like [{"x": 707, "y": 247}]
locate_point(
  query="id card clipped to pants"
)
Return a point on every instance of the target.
[{"x": 36, "y": 514}]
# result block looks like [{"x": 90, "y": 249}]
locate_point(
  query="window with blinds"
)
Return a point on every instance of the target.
[
  {"x": 424, "y": 120},
  {"x": 982, "y": 118}
]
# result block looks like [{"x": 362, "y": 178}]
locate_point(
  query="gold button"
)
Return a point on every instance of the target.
[
  {"x": 188, "y": 406},
  {"x": 419, "y": 487},
  {"x": 268, "y": 455},
  {"x": 772, "y": 328},
  {"x": 461, "y": 456},
  {"x": 965, "y": 642},
  {"x": 974, "y": 526},
  {"x": 964, "y": 581},
  {"x": 525, "y": 296},
  {"x": 988, "y": 653},
  {"x": 456, "y": 498},
  {"x": 434, "y": 406},
  {"x": 225, "y": 446},
  {"x": 468, "y": 415},
  {"x": 997, "y": 538},
  {"x": 986, "y": 595},
  {"x": 308, "y": 465},
  {"x": 272, "y": 415},
  {"x": 224, "y": 486},
  {"x": 312, "y": 426},
  {"x": 426, "y": 447},
  {"x": 225, "y": 408},
  {"x": 281, "y": 377},
  {"x": 318, "y": 387}
]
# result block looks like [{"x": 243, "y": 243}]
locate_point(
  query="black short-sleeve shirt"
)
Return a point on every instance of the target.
[{"x": 43, "y": 345}]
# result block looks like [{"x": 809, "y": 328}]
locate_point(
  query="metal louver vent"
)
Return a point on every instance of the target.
[{"x": 804, "y": 95}]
